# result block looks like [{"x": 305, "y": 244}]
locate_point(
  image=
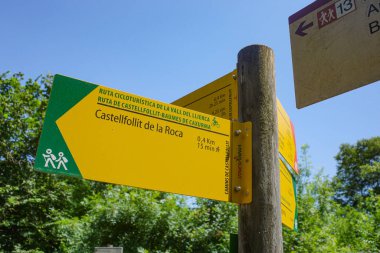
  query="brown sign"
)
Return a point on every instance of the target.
[{"x": 335, "y": 48}]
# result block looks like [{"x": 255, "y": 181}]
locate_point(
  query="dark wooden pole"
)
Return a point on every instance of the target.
[{"x": 260, "y": 222}]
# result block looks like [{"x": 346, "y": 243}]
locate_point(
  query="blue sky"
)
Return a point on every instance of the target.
[{"x": 166, "y": 49}]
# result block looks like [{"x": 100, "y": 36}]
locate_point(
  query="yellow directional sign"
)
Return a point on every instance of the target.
[
  {"x": 220, "y": 98},
  {"x": 103, "y": 134},
  {"x": 288, "y": 197},
  {"x": 286, "y": 139}
]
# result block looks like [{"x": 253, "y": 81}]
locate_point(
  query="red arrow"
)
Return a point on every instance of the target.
[{"x": 301, "y": 28}]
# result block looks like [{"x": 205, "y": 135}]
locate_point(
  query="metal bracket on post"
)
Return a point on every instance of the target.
[{"x": 241, "y": 160}]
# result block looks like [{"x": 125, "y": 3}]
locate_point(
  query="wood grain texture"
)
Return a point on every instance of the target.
[{"x": 260, "y": 222}]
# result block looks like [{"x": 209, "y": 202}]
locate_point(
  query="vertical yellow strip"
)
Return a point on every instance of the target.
[{"x": 241, "y": 162}]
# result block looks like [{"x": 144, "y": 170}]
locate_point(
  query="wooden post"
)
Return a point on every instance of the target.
[{"x": 260, "y": 228}]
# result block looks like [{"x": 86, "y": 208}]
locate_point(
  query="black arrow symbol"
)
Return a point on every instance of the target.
[{"x": 301, "y": 28}]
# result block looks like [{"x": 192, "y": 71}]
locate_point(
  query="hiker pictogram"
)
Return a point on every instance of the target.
[
  {"x": 49, "y": 158},
  {"x": 52, "y": 161},
  {"x": 61, "y": 161}
]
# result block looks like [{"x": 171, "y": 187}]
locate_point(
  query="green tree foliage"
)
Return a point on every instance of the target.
[
  {"x": 358, "y": 171},
  {"x": 30, "y": 202},
  {"x": 149, "y": 221},
  {"x": 212, "y": 222},
  {"x": 315, "y": 211},
  {"x": 326, "y": 225},
  {"x": 22, "y": 199}
]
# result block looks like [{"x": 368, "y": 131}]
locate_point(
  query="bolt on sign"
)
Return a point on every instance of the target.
[
  {"x": 335, "y": 48},
  {"x": 102, "y": 134},
  {"x": 220, "y": 98}
]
